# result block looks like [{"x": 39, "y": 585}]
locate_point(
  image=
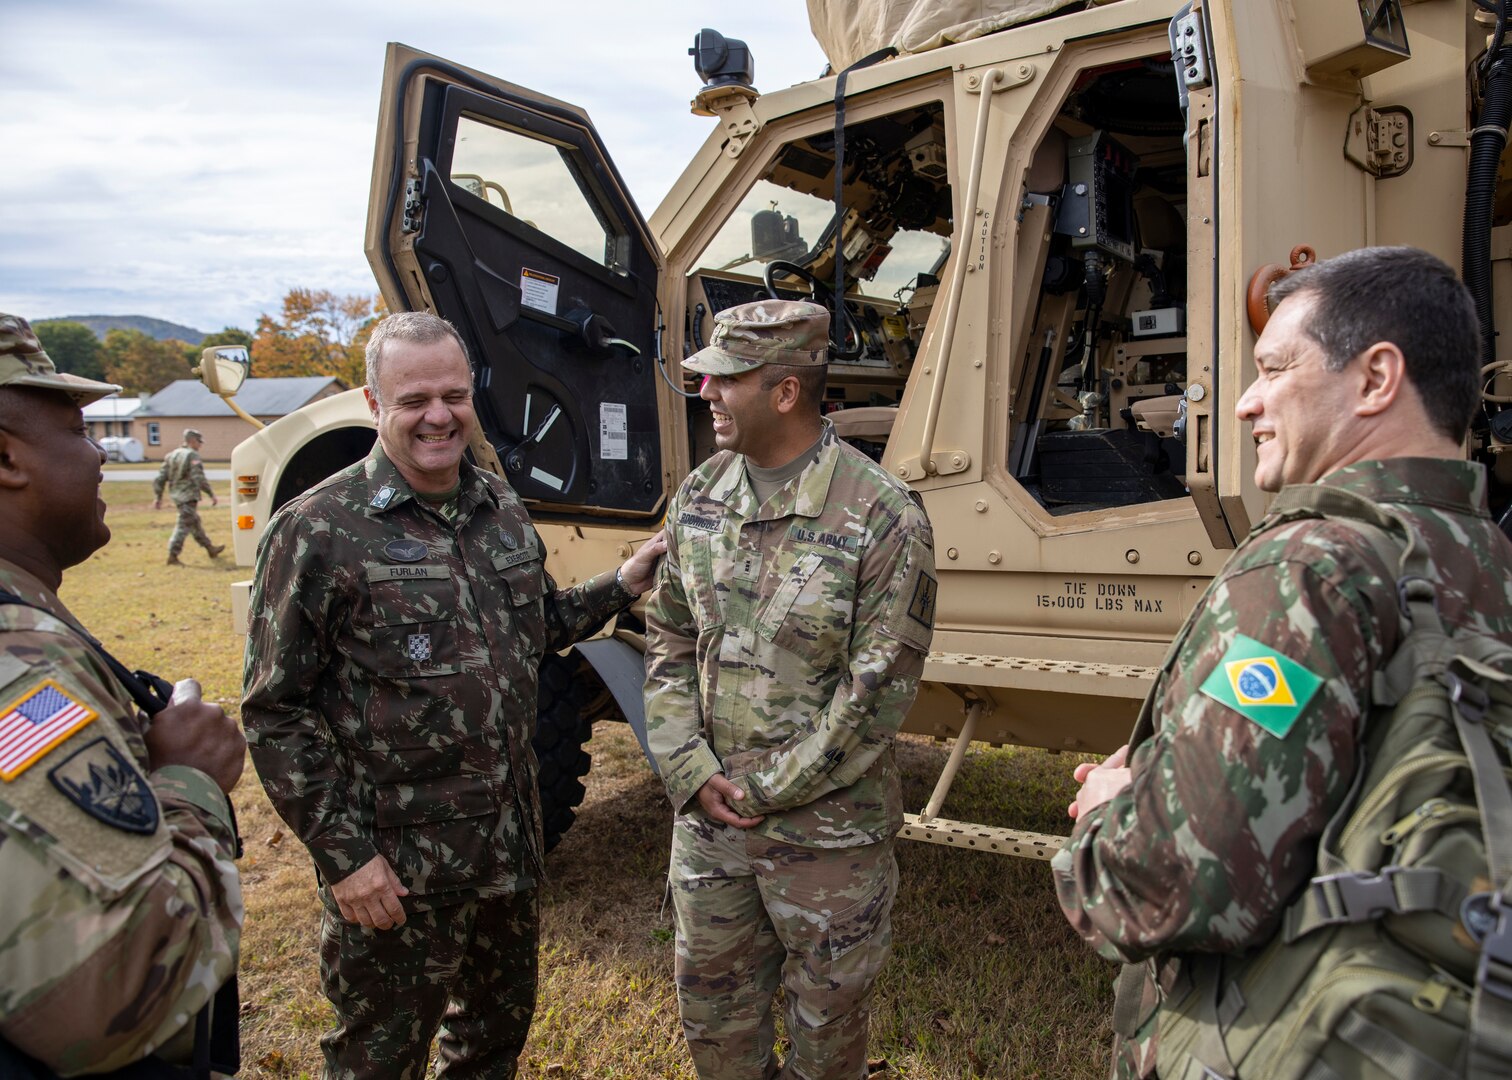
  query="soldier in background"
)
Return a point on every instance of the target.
[
  {"x": 122, "y": 906},
  {"x": 183, "y": 474},
  {"x": 1198, "y": 838},
  {"x": 398, "y": 619},
  {"x": 785, "y": 643}
]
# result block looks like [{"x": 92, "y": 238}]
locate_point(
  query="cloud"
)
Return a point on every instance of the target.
[{"x": 194, "y": 162}]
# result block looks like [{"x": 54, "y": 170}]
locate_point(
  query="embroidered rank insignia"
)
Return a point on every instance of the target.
[
  {"x": 99, "y": 780},
  {"x": 406, "y": 550},
  {"x": 383, "y": 498},
  {"x": 418, "y": 647},
  {"x": 1262, "y": 685},
  {"x": 36, "y": 722}
]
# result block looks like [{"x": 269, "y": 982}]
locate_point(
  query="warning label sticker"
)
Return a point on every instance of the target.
[
  {"x": 614, "y": 443},
  {"x": 538, "y": 290}
]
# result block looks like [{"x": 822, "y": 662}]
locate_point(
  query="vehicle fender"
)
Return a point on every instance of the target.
[{"x": 623, "y": 670}]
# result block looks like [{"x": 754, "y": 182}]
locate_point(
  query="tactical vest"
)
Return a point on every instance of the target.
[{"x": 1395, "y": 961}]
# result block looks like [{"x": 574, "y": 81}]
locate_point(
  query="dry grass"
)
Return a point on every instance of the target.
[{"x": 986, "y": 980}]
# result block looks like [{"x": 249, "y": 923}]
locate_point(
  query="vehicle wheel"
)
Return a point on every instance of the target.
[{"x": 566, "y": 704}]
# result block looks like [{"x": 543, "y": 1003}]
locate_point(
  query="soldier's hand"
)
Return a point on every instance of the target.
[
  {"x": 157, "y": 504},
  {"x": 200, "y": 736},
  {"x": 1100, "y": 782},
  {"x": 719, "y": 798},
  {"x": 369, "y": 896},
  {"x": 638, "y": 572},
  {"x": 213, "y": 500}
]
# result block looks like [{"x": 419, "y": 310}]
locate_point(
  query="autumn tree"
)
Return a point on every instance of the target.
[
  {"x": 231, "y": 335},
  {"x": 318, "y": 333},
  {"x": 73, "y": 347},
  {"x": 141, "y": 363}
]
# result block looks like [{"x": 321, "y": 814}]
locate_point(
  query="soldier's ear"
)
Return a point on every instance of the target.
[
  {"x": 1380, "y": 372},
  {"x": 789, "y": 393},
  {"x": 13, "y": 474}
]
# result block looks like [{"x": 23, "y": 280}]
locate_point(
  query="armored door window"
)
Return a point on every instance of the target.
[{"x": 533, "y": 181}]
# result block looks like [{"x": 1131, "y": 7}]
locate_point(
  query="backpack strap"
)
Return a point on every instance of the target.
[{"x": 1471, "y": 685}]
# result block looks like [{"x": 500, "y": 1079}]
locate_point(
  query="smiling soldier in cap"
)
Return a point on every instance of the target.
[
  {"x": 785, "y": 643},
  {"x": 183, "y": 474},
  {"x": 122, "y": 906}
]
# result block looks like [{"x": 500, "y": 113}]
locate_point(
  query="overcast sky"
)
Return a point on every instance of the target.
[{"x": 194, "y": 161}]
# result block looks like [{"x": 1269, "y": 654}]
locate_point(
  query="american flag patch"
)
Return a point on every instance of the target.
[{"x": 35, "y": 723}]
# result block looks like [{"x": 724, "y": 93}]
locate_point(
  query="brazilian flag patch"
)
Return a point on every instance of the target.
[{"x": 1262, "y": 685}]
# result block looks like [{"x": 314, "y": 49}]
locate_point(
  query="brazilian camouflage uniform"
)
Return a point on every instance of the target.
[
  {"x": 183, "y": 475},
  {"x": 390, "y": 698},
  {"x": 1220, "y": 827},
  {"x": 122, "y": 907},
  {"x": 785, "y": 645}
]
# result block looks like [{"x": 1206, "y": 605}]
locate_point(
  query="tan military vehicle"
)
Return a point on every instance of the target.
[{"x": 1051, "y": 229}]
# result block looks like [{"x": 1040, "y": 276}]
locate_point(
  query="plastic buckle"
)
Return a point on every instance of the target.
[
  {"x": 1477, "y": 916},
  {"x": 1469, "y": 699},
  {"x": 1361, "y": 896},
  {"x": 1406, "y": 591},
  {"x": 1496, "y": 950}
]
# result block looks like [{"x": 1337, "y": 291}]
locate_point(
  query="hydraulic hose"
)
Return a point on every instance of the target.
[{"x": 1486, "y": 144}]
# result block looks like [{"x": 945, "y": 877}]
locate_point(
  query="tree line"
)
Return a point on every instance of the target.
[{"x": 316, "y": 333}]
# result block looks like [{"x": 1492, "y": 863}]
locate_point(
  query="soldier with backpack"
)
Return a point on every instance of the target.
[{"x": 1293, "y": 855}]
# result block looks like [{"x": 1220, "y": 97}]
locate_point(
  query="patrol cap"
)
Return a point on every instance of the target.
[
  {"x": 192, "y": 433},
  {"x": 746, "y": 336},
  {"x": 23, "y": 362}
]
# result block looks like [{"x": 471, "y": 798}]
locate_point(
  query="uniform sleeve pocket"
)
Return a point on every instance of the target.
[{"x": 911, "y": 610}]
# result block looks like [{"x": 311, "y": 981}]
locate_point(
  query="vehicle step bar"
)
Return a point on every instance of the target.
[
  {"x": 965, "y": 834},
  {"x": 1036, "y": 673}
]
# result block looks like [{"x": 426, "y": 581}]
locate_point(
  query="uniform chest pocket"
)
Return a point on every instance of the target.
[
  {"x": 526, "y": 586},
  {"x": 410, "y": 621},
  {"x": 809, "y": 611}
]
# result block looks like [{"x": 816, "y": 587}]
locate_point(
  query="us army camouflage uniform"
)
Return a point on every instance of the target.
[
  {"x": 1220, "y": 827},
  {"x": 183, "y": 475},
  {"x": 785, "y": 644},
  {"x": 389, "y": 702},
  {"x": 122, "y": 907}
]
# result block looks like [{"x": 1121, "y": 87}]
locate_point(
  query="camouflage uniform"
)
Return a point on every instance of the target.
[
  {"x": 1219, "y": 828},
  {"x": 785, "y": 644},
  {"x": 183, "y": 475},
  {"x": 389, "y": 702},
  {"x": 122, "y": 907}
]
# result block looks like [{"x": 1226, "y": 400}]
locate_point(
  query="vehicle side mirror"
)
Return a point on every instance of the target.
[{"x": 223, "y": 368}]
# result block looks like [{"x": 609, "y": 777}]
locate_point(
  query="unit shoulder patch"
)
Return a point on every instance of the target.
[
  {"x": 101, "y": 781},
  {"x": 1262, "y": 685},
  {"x": 34, "y": 723}
]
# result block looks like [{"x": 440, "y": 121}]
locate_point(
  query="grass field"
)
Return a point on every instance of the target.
[{"x": 986, "y": 980}]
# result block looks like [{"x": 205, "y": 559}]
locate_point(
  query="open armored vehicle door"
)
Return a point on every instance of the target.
[{"x": 498, "y": 209}]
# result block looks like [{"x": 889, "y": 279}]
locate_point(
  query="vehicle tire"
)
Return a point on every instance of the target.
[{"x": 568, "y": 701}]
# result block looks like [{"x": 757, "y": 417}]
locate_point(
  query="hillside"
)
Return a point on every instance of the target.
[{"x": 161, "y": 329}]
